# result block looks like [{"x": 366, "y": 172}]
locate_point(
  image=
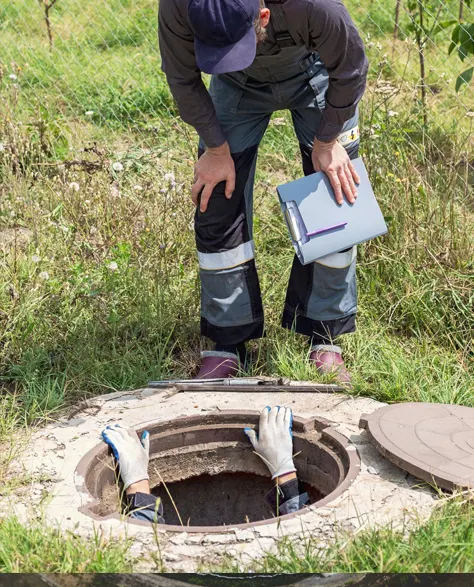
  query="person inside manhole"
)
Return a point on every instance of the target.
[{"x": 273, "y": 444}]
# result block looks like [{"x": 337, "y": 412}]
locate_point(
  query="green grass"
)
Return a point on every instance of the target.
[
  {"x": 445, "y": 544},
  {"x": 73, "y": 325},
  {"x": 37, "y": 549},
  {"x": 105, "y": 60}
]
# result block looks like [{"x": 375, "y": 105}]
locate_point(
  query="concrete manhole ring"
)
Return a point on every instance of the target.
[
  {"x": 380, "y": 494},
  {"x": 199, "y": 457}
]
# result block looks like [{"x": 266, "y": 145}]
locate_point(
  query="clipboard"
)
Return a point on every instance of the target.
[{"x": 318, "y": 225}]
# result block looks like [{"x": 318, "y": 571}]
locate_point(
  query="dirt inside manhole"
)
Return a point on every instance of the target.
[{"x": 214, "y": 477}]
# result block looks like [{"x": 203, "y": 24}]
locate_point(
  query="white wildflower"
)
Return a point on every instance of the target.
[
  {"x": 36, "y": 258},
  {"x": 117, "y": 166},
  {"x": 87, "y": 202},
  {"x": 114, "y": 191},
  {"x": 112, "y": 266},
  {"x": 74, "y": 186},
  {"x": 89, "y": 113},
  {"x": 12, "y": 76},
  {"x": 44, "y": 275},
  {"x": 137, "y": 188},
  {"x": 93, "y": 229},
  {"x": 169, "y": 177},
  {"x": 391, "y": 113}
]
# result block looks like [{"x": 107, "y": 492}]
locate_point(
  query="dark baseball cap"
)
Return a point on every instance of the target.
[{"x": 224, "y": 34}]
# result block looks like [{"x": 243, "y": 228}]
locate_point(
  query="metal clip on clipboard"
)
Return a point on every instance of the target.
[{"x": 296, "y": 224}]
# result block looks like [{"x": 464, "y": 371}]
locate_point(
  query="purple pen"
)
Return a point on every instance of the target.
[{"x": 327, "y": 229}]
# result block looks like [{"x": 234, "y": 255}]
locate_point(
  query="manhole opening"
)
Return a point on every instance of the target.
[
  {"x": 219, "y": 500},
  {"x": 214, "y": 477}
]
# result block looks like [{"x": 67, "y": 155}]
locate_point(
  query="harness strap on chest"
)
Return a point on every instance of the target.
[{"x": 282, "y": 37}]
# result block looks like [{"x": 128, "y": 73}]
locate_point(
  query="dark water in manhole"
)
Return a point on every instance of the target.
[{"x": 218, "y": 500}]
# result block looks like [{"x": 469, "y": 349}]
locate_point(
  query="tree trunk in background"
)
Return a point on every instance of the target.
[
  {"x": 47, "y": 8},
  {"x": 396, "y": 30},
  {"x": 420, "y": 41}
]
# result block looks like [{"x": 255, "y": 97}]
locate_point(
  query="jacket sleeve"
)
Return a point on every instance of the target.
[
  {"x": 335, "y": 37},
  {"x": 148, "y": 508},
  {"x": 184, "y": 78},
  {"x": 287, "y": 498}
]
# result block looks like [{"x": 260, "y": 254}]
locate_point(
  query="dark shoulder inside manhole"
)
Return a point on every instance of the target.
[{"x": 204, "y": 468}]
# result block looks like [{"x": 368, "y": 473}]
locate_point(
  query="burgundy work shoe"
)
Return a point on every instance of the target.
[
  {"x": 328, "y": 359},
  {"x": 218, "y": 365}
]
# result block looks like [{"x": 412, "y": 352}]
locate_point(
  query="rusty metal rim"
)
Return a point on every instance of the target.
[{"x": 327, "y": 432}]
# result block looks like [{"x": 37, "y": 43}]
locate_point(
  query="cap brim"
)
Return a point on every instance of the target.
[{"x": 227, "y": 59}]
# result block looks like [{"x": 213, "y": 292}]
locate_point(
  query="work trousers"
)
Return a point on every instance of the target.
[{"x": 321, "y": 298}]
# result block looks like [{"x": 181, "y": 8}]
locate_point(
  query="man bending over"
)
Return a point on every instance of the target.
[{"x": 304, "y": 56}]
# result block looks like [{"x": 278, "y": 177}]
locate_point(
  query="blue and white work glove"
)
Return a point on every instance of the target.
[
  {"x": 132, "y": 455},
  {"x": 274, "y": 442}
]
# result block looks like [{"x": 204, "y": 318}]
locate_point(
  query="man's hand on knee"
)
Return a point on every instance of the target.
[
  {"x": 334, "y": 161},
  {"x": 274, "y": 441},
  {"x": 214, "y": 166},
  {"x": 132, "y": 455}
]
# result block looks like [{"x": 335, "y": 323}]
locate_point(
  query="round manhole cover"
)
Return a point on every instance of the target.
[
  {"x": 434, "y": 442},
  {"x": 206, "y": 473}
]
